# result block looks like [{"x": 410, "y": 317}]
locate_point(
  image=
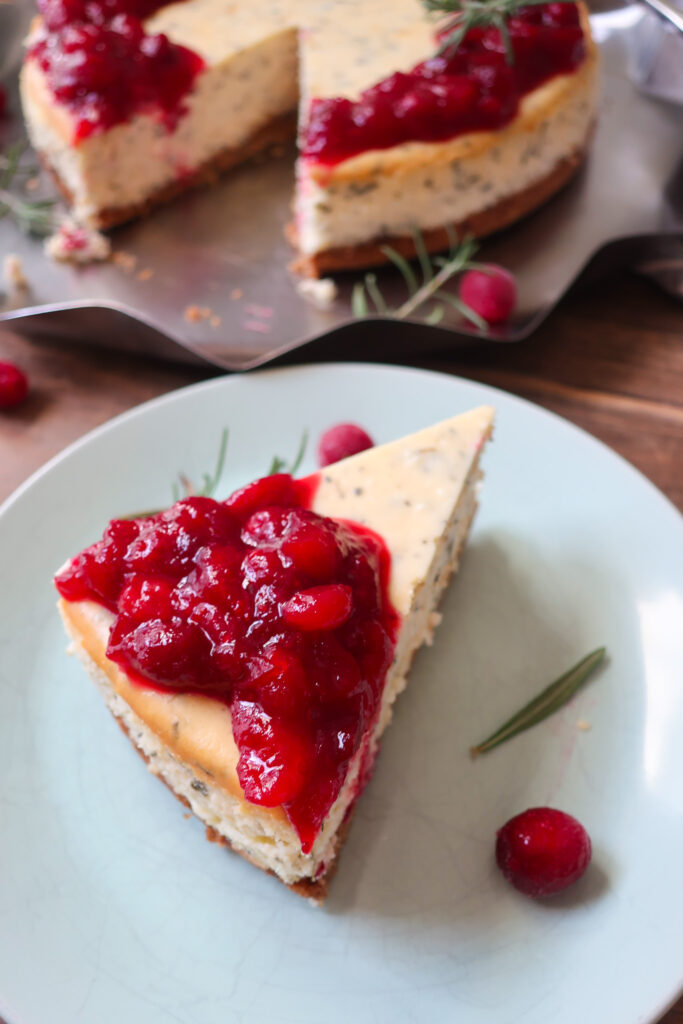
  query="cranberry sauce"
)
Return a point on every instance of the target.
[
  {"x": 471, "y": 88},
  {"x": 101, "y": 64},
  {"x": 260, "y": 603}
]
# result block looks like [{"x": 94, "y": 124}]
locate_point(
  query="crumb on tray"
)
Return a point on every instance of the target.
[
  {"x": 74, "y": 243},
  {"x": 321, "y": 293},
  {"x": 13, "y": 273}
]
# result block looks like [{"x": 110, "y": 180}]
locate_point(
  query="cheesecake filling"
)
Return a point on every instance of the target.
[{"x": 277, "y": 612}]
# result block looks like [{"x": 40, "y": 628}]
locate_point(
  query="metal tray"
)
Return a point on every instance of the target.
[{"x": 223, "y": 247}]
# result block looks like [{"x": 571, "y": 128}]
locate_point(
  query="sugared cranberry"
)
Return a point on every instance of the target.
[
  {"x": 492, "y": 293},
  {"x": 13, "y": 386},
  {"x": 341, "y": 441},
  {"x": 542, "y": 851}
]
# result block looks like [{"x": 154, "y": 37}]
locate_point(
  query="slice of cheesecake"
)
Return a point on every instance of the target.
[{"x": 246, "y": 759}]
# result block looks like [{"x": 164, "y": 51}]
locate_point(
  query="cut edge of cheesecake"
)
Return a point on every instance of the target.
[
  {"x": 420, "y": 494},
  {"x": 481, "y": 224}
]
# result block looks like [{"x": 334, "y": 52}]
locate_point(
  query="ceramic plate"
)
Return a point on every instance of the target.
[{"x": 114, "y": 908}]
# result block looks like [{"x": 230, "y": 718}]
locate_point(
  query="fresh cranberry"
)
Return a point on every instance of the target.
[
  {"x": 258, "y": 602},
  {"x": 542, "y": 851},
  {"x": 342, "y": 441},
  {"x": 492, "y": 293},
  {"x": 13, "y": 386}
]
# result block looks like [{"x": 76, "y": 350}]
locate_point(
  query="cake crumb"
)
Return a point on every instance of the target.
[
  {"x": 215, "y": 321},
  {"x": 192, "y": 314},
  {"x": 13, "y": 273},
  {"x": 146, "y": 274},
  {"x": 125, "y": 260},
  {"x": 236, "y": 294},
  {"x": 583, "y": 725},
  {"x": 432, "y": 623},
  {"x": 32, "y": 183},
  {"x": 321, "y": 293},
  {"x": 74, "y": 243},
  {"x": 196, "y": 314}
]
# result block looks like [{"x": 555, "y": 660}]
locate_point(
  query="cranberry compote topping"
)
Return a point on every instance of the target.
[
  {"x": 472, "y": 88},
  {"x": 101, "y": 64},
  {"x": 258, "y": 602}
]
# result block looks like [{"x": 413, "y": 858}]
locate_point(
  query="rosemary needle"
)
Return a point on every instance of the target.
[{"x": 550, "y": 700}]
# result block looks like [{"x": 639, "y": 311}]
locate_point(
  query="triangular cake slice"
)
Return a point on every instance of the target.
[{"x": 273, "y": 760}]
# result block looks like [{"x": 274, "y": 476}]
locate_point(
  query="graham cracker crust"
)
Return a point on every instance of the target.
[
  {"x": 486, "y": 222},
  {"x": 278, "y": 132}
]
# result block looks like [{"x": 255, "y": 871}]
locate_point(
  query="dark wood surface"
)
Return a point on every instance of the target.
[{"x": 610, "y": 359}]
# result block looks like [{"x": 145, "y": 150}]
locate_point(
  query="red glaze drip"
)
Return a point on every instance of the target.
[
  {"x": 470, "y": 89},
  {"x": 258, "y": 602},
  {"x": 101, "y": 64}
]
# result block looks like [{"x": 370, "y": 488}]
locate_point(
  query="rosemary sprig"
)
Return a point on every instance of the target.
[
  {"x": 210, "y": 480},
  {"x": 279, "y": 465},
  {"x": 185, "y": 488},
  {"x": 546, "y": 703},
  {"x": 436, "y": 272},
  {"x": 468, "y": 14},
  {"x": 34, "y": 216}
]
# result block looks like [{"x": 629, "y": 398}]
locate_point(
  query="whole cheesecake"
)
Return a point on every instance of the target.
[
  {"x": 252, "y": 649},
  {"x": 130, "y": 103}
]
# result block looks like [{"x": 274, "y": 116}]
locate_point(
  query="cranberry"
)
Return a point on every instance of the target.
[
  {"x": 13, "y": 386},
  {"x": 3, "y": 101},
  {"x": 276, "y": 760},
  {"x": 342, "y": 441},
  {"x": 313, "y": 550},
  {"x": 276, "y": 489},
  {"x": 320, "y": 608},
  {"x": 260, "y": 603},
  {"x": 492, "y": 293},
  {"x": 542, "y": 851}
]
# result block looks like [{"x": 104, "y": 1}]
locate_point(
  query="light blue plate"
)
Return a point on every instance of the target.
[{"x": 114, "y": 908}]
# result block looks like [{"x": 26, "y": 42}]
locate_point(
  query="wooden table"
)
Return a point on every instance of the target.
[{"x": 610, "y": 359}]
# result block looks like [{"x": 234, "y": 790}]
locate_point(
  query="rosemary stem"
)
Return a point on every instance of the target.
[{"x": 425, "y": 291}]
